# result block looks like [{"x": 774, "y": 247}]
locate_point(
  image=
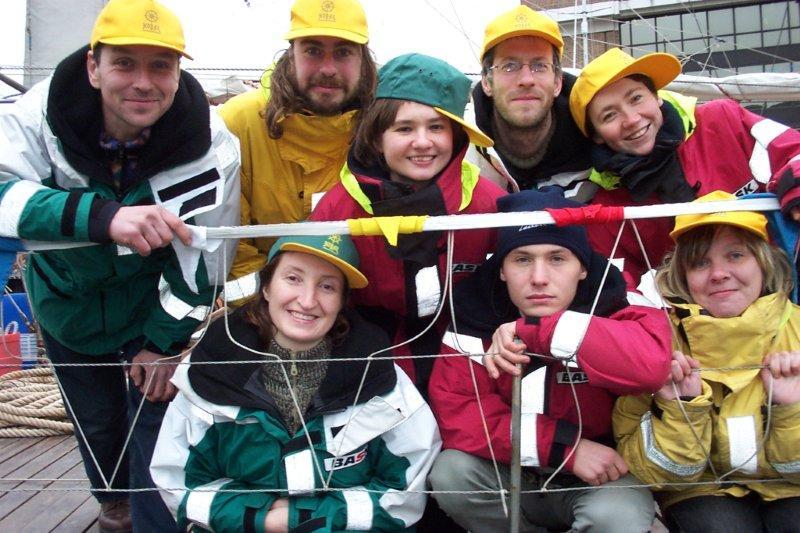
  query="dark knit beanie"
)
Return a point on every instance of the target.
[
  {"x": 482, "y": 302},
  {"x": 572, "y": 238}
]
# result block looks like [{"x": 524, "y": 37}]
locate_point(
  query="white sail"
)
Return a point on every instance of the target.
[{"x": 53, "y": 30}]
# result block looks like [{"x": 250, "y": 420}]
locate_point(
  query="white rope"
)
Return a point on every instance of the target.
[{"x": 375, "y": 491}]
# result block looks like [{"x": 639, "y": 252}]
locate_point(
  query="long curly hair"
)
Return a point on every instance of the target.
[
  {"x": 285, "y": 97},
  {"x": 256, "y": 311}
]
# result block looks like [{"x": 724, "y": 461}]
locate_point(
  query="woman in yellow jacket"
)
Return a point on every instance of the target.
[{"x": 720, "y": 441}]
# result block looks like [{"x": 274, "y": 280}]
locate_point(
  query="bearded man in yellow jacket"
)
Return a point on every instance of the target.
[{"x": 295, "y": 131}]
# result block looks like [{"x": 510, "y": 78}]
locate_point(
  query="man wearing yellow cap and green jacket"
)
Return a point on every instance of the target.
[
  {"x": 295, "y": 130},
  {"x": 118, "y": 148}
]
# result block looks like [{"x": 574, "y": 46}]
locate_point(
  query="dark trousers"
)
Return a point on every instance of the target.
[
  {"x": 103, "y": 403},
  {"x": 726, "y": 514}
]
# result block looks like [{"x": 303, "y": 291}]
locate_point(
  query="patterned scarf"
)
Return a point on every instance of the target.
[{"x": 123, "y": 158}]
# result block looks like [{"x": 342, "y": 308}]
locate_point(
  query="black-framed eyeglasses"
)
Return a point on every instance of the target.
[{"x": 536, "y": 67}]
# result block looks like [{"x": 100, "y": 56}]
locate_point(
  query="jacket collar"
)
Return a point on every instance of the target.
[
  {"x": 315, "y": 142},
  {"x": 240, "y": 385},
  {"x": 456, "y": 183},
  {"x": 740, "y": 341},
  {"x": 74, "y": 113}
]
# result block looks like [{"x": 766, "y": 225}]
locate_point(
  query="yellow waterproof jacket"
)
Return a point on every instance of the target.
[
  {"x": 729, "y": 417},
  {"x": 279, "y": 176}
]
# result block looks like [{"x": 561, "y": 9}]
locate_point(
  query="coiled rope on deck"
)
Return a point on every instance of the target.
[{"x": 31, "y": 405}]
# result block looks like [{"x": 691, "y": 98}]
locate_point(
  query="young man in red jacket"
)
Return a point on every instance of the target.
[{"x": 536, "y": 295}]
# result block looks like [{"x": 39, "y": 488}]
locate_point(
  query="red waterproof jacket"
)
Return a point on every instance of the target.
[
  {"x": 627, "y": 352},
  {"x": 402, "y": 288},
  {"x": 729, "y": 149}
]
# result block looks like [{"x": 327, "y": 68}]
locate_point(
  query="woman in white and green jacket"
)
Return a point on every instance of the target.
[{"x": 253, "y": 446}]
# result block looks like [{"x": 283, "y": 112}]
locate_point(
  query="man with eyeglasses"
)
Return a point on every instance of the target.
[{"x": 522, "y": 102}]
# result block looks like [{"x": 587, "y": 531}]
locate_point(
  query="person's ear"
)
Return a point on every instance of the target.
[
  {"x": 486, "y": 84},
  {"x": 584, "y": 272},
  {"x": 558, "y": 86},
  {"x": 502, "y": 275},
  {"x": 91, "y": 70},
  {"x": 265, "y": 293}
]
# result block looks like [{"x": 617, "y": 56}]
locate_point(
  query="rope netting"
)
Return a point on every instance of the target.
[{"x": 44, "y": 397}]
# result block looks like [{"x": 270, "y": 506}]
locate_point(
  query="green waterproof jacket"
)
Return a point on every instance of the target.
[
  {"x": 224, "y": 454},
  {"x": 56, "y": 185}
]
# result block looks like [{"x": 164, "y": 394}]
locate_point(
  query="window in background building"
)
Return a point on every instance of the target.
[
  {"x": 726, "y": 41},
  {"x": 722, "y": 42}
]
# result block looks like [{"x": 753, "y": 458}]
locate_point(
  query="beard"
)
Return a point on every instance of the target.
[
  {"x": 515, "y": 117},
  {"x": 327, "y": 104},
  {"x": 518, "y": 121}
]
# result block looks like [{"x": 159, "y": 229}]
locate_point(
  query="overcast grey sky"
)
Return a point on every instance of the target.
[{"x": 228, "y": 33}]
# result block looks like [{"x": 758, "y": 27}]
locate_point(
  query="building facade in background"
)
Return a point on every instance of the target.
[{"x": 711, "y": 37}]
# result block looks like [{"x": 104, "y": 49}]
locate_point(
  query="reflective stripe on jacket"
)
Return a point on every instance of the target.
[{"x": 728, "y": 418}]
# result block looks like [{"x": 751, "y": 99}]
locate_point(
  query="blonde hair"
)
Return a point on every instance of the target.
[{"x": 693, "y": 246}]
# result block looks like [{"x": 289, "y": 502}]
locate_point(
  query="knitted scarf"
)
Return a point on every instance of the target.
[{"x": 304, "y": 379}]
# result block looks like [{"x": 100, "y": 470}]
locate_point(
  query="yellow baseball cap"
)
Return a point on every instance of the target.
[
  {"x": 520, "y": 21},
  {"x": 146, "y": 22},
  {"x": 747, "y": 220},
  {"x": 344, "y": 19},
  {"x": 613, "y": 65}
]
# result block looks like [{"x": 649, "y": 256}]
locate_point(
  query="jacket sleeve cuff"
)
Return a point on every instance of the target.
[
  {"x": 568, "y": 334},
  {"x": 255, "y": 519},
  {"x": 788, "y": 191},
  {"x": 697, "y": 406},
  {"x": 100, "y": 215},
  {"x": 789, "y": 202},
  {"x": 788, "y": 411},
  {"x": 301, "y": 515},
  {"x": 174, "y": 349},
  {"x": 563, "y": 441}
]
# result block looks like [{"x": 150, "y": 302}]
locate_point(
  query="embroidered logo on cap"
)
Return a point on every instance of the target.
[
  {"x": 327, "y": 14},
  {"x": 151, "y": 22},
  {"x": 529, "y": 226},
  {"x": 331, "y": 244}
]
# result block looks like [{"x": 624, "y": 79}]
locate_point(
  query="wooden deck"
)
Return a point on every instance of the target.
[{"x": 36, "y": 510}]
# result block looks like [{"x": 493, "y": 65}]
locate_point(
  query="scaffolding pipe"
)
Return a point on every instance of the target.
[{"x": 13, "y": 83}]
